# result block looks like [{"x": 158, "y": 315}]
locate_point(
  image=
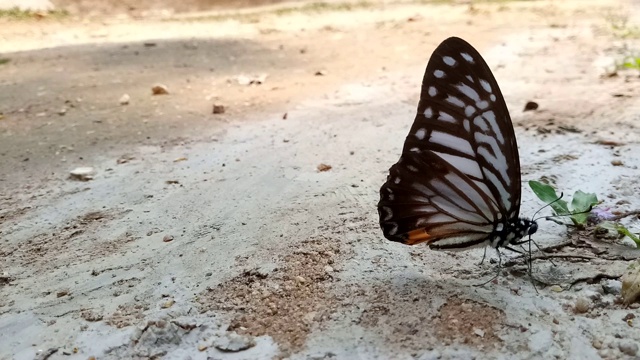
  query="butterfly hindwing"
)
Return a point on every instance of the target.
[{"x": 459, "y": 173}]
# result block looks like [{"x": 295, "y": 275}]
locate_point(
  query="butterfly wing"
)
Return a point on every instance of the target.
[{"x": 458, "y": 177}]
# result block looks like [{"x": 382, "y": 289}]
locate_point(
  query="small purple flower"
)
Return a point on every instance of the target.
[{"x": 602, "y": 214}]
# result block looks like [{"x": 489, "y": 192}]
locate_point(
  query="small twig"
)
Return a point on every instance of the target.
[
  {"x": 624, "y": 215},
  {"x": 47, "y": 354},
  {"x": 513, "y": 261},
  {"x": 593, "y": 279},
  {"x": 567, "y": 256},
  {"x": 557, "y": 246}
]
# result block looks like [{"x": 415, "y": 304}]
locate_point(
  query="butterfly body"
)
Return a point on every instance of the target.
[{"x": 457, "y": 183}]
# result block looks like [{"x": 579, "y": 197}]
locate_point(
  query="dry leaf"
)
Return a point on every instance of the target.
[{"x": 631, "y": 284}]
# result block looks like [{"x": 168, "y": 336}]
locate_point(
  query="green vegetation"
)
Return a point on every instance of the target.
[
  {"x": 580, "y": 209},
  {"x": 618, "y": 22},
  {"x": 4, "y": 61},
  {"x": 321, "y": 6},
  {"x": 580, "y": 204},
  {"x": 631, "y": 62},
  {"x": 617, "y": 229},
  {"x": 19, "y": 14}
]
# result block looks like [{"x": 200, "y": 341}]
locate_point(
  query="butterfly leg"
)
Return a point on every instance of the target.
[
  {"x": 530, "y": 261},
  {"x": 497, "y": 273},
  {"x": 483, "y": 256},
  {"x": 537, "y": 246}
]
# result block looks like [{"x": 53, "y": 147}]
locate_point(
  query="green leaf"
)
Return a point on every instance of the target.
[
  {"x": 616, "y": 228},
  {"x": 624, "y": 231},
  {"x": 582, "y": 201},
  {"x": 609, "y": 226},
  {"x": 548, "y": 195}
]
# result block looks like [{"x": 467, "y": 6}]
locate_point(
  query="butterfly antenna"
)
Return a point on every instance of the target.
[
  {"x": 550, "y": 218},
  {"x": 546, "y": 206}
]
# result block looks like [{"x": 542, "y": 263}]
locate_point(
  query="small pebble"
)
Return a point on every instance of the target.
[
  {"x": 82, "y": 173},
  {"x": 233, "y": 342},
  {"x": 124, "y": 99},
  {"x": 582, "y": 305},
  {"x": 628, "y": 348},
  {"x": 556, "y": 288},
  {"x": 300, "y": 279},
  {"x": 218, "y": 109},
  {"x": 530, "y": 105},
  {"x": 323, "y": 167},
  {"x": 612, "y": 287},
  {"x": 167, "y": 238},
  {"x": 328, "y": 269},
  {"x": 159, "y": 89},
  {"x": 616, "y": 162},
  {"x": 597, "y": 344}
]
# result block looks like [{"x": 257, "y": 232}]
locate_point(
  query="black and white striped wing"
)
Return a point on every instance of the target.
[{"x": 458, "y": 178}]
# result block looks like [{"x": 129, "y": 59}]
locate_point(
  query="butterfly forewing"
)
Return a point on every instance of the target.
[{"x": 459, "y": 173}]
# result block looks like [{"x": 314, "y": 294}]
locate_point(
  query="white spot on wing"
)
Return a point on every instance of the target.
[
  {"x": 446, "y": 117},
  {"x": 467, "y": 125},
  {"x": 485, "y": 85},
  {"x": 449, "y": 60},
  {"x": 468, "y": 91},
  {"x": 396, "y": 181},
  {"x": 504, "y": 194},
  {"x": 469, "y": 78},
  {"x": 432, "y": 91},
  {"x": 389, "y": 213},
  {"x": 421, "y": 133},
  {"x": 482, "y": 104},
  {"x": 414, "y": 149},
  {"x": 481, "y": 123},
  {"x": 497, "y": 159},
  {"x": 412, "y": 168},
  {"x": 439, "y": 74},
  {"x": 455, "y": 101},
  {"x": 468, "y": 166},
  {"x": 467, "y": 57},
  {"x": 469, "y": 110},
  {"x": 394, "y": 229},
  {"x": 490, "y": 116},
  {"x": 492, "y": 97},
  {"x": 428, "y": 113},
  {"x": 451, "y": 141}
]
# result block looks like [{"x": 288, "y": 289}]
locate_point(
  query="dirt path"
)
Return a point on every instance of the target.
[{"x": 211, "y": 226}]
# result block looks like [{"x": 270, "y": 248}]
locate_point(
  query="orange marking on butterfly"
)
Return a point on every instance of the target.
[{"x": 417, "y": 236}]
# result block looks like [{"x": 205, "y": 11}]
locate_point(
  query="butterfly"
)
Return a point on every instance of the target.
[{"x": 457, "y": 183}]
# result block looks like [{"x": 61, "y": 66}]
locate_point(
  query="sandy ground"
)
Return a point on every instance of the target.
[{"x": 214, "y": 236}]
